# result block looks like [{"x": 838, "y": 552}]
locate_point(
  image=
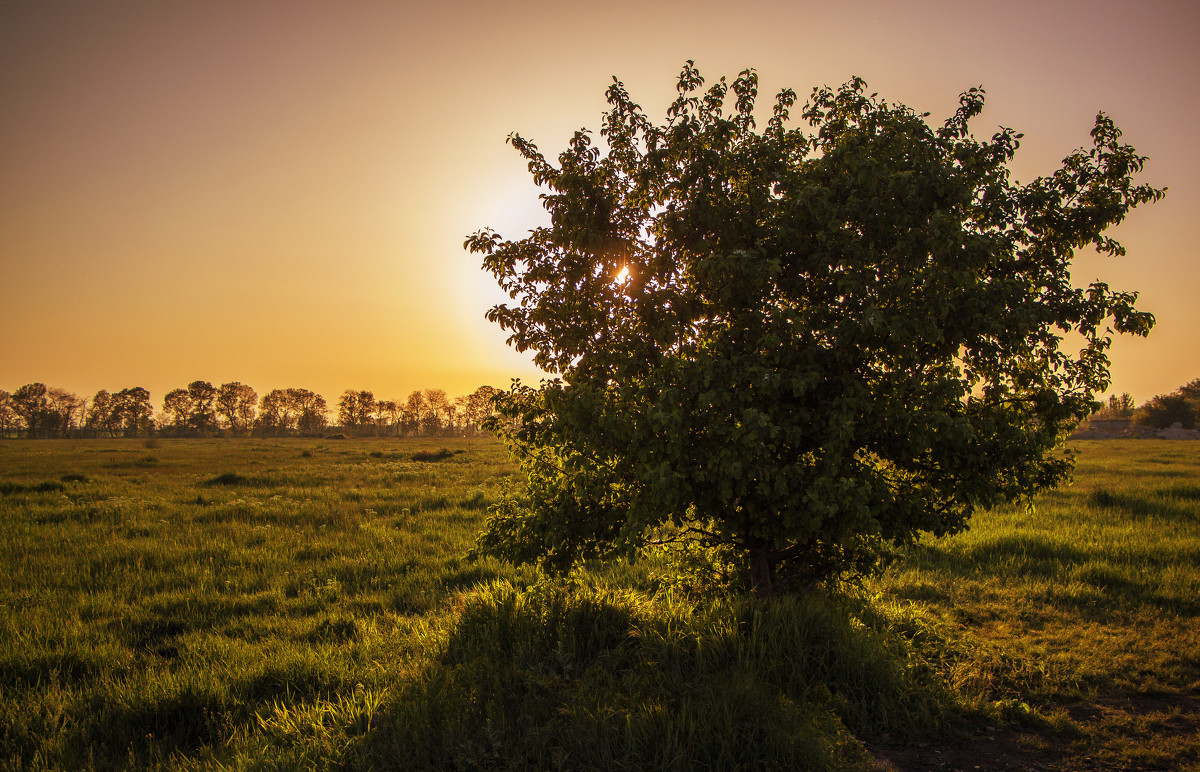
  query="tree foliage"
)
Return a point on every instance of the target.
[
  {"x": 284, "y": 411},
  {"x": 477, "y": 407},
  {"x": 236, "y": 406},
  {"x": 356, "y": 409},
  {"x": 795, "y": 344},
  {"x": 1181, "y": 406},
  {"x": 8, "y": 415}
]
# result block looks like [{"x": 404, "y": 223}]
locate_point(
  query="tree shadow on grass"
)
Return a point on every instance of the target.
[{"x": 555, "y": 678}]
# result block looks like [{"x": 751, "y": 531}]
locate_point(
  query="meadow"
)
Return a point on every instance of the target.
[{"x": 309, "y": 604}]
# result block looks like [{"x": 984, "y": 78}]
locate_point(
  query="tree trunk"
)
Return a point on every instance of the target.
[{"x": 762, "y": 574}]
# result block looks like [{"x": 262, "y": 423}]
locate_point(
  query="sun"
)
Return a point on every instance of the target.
[{"x": 623, "y": 276}]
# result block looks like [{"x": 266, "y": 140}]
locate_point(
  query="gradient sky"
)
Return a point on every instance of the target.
[{"x": 278, "y": 192}]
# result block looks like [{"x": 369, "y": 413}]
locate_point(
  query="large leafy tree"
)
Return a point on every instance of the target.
[{"x": 794, "y": 344}]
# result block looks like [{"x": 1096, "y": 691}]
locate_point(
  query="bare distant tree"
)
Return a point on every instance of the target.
[
  {"x": 415, "y": 409},
  {"x": 1118, "y": 406},
  {"x": 440, "y": 414},
  {"x": 388, "y": 413},
  {"x": 236, "y": 405},
  {"x": 477, "y": 406},
  {"x": 276, "y": 412},
  {"x": 356, "y": 409},
  {"x": 347, "y": 409},
  {"x": 65, "y": 412},
  {"x": 283, "y": 411}
]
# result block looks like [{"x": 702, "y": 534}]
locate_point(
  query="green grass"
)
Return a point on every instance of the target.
[
  {"x": 245, "y": 604},
  {"x": 1086, "y": 607}
]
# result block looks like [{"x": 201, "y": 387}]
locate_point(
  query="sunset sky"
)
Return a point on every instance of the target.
[{"x": 277, "y": 192}]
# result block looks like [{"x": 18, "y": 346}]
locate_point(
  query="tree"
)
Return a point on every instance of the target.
[
  {"x": 388, "y": 414},
  {"x": 312, "y": 414},
  {"x": 1165, "y": 410},
  {"x": 415, "y": 409},
  {"x": 192, "y": 410},
  {"x": 8, "y": 414},
  {"x": 132, "y": 412},
  {"x": 276, "y": 412},
  {"x": 1180, "y": 406},
  {"x": 1191, "y": 392},
  {"x": 99, "y": 416},
  {"x": 1122, "y": 405},
  {"x": 177, "y": 410},
  {"x": 437, "y": 410},
  {"x": 477, "y": 407},
  {"x": 203, "y": 416},
  {"x": 356, "y": 409},
  {"x": 64, "y": 412},
  {"x": 1118, "y": 406},
  {"x": 31, "y": 403},
  {"x": 792, "y": 346},
  {"x": 235, "y": 406},
  {"x": 286, "y": 410}
]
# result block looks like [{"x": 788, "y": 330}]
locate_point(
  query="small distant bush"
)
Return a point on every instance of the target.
[
  {"x": 335, "y": 436},
  {"x": 227, "y": 478},
  {"x": 73, "y": 477},
  {"x": 306, "y": 454},
  {"x": 430, "y": 455},
  {"x": 8, "y": 488},
  {"x": 150, "y": 442}
]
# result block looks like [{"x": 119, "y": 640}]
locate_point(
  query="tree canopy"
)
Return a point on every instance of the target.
[
  {"x": 1181, "y": 406},
  {"x": 795, "y": 344}
]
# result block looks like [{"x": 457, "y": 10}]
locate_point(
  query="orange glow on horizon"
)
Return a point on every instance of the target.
[{"x": 278, "y": 196}]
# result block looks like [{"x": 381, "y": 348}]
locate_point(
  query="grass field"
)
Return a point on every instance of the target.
[{"x": 246, "y": 604}]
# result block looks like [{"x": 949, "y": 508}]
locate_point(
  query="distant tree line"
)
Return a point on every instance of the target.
[
  {"x": 234, "y": 409},
  {"x": 1181, "y": 406}
]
